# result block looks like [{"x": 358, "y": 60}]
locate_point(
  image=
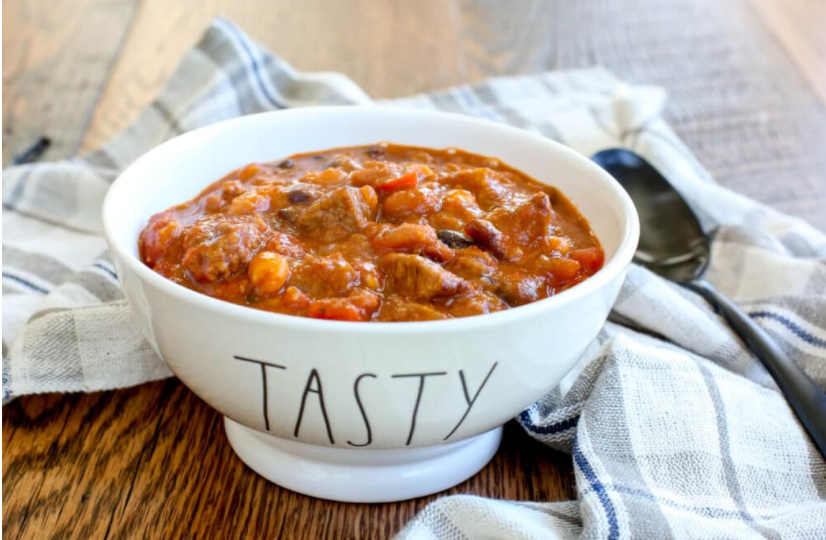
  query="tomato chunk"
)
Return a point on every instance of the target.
[
  {"x": 335, "y": 309},
  {"x": 358, "y": 307},
  {"x": 591, "y": 258},
  {"x": 405, "y": 181}
]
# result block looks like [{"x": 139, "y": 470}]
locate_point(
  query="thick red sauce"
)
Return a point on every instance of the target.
[{"x": 375, "y": 233}]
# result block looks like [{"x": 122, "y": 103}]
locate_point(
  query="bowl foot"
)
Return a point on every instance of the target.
[{"x": 366, "y": 476}]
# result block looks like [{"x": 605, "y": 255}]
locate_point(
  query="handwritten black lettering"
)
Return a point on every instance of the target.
[
  {"x": 470, "y": 401},
  {"x": 317, "y": 390},
  {"x": 361, "y": 408},
  {"x": 421, "y": 377},
  {"x": 264, "y": 366}
]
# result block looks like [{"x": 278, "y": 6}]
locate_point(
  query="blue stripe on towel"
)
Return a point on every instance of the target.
[
  {"x": 794, "y": 327},
  {"x": 25, "y": 283},
  {"x": 106, "y": 269},
  {"x": 599, "y": 489},
  {"x": 256, "y": 67},
  {"x": 559, "y": 427}
]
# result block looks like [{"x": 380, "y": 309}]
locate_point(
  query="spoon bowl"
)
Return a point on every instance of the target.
[
  {"x": 674, "y": 246},
  {"x": 672, "y": 242}
]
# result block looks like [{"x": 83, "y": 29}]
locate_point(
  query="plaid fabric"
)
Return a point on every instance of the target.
[{"x": 675, "y": 430}]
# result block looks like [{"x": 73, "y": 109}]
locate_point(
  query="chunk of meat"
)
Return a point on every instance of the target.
[
  {"x": 527, "y": 223},
  {"x": 160, "y": 238},
  {"x": 288, "y": 202},
  {"x": 512, "y": 233},
  {"x": 326, "y": 177},
  {"x": 485, "y": 235},
  {"x": 371, "y": 198},
  {"x": 336, "y": 214},
  {"x": 421, "y": 170},
  {"x": 472, "y": 263},
  {"x": 284, "y": 244},
  {"x": 518, "y": 288},
  {"x": 344, "y": 162},
  {"x": 461, "y": 204},
  {"x": 418, "y": 201},
  {"x": 375, "y": 172},
  {"x": 370, "y": 275},
  {"x": 475, "y": 304},
  {"x": 219, "y": 198},
  {"x": 560, "y": 269},
  {"x": 216, "y": 249},
  {"x": 251, "y": 202},
  {"x": 420, "y": 279},
  {"x": 412, "y": 238},
  {"x": 458, "y": 207},
  {"x": 397, "y": 309},
  {"x": 484, "y": 183},
  {"x": 325, "y": 276}
]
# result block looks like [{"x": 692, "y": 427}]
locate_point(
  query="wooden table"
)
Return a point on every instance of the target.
[{"x": 152, "y": 461}]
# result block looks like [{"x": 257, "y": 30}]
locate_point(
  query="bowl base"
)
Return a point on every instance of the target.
[{"x": 365, "y": 476}]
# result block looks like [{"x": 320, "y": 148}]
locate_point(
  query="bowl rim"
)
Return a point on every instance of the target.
[{"x": 615, "y": 265}]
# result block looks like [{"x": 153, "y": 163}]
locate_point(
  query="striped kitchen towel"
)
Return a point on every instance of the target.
[{"x": 675, "y": 430}]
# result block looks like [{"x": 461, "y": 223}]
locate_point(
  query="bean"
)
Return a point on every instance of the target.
[
  {"x": 375, "y": 152},
  {"x": 454, "y": 239},
  {"x": 298, "y": 196}
]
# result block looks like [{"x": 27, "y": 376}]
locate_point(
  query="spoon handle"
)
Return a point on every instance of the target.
[{"x": 807, "y": 400}]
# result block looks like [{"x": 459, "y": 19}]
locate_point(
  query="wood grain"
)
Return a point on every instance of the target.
[
  {"x": 390, "y": 49},
  {"x": 362, "y": 38},
  {"x": 56, "y": 57},
  {"x": 798, "y": 26},
  {"x": 153, "y": 462}
]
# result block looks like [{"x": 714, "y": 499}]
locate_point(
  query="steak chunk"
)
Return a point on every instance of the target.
[
  {"x": 418, "y": 278},
  {"x": 216, "y": 249},
  {"x": 397, "y": 309},
  {"x": 510, "y": 234},
  {"x": 335, "y": 215},
  {"x": 412, "y": 238}
]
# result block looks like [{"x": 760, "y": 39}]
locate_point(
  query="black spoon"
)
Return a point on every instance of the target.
[{"x": 674, "y": 246}]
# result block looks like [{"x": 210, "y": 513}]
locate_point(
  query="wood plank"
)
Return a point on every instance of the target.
[
  {"x": 378, "y": 44},
  {"x": 56, "y": 57},
  {"x": 390, "y": 49},
  {"x": 798, "y": 26},
  {"x": 72, "y": 459},
  {"x": 734, "y": 97},
  {"x": 153, "y": 462}
]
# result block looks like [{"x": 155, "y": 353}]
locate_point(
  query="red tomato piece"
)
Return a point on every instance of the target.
[
  {"x": 405, "y": 181},
  {"x": 590, "y": 259},
  {"x": 335, "y": 309}
]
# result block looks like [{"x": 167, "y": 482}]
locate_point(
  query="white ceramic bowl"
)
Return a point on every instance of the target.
[{"x": 363, "y": 411}]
